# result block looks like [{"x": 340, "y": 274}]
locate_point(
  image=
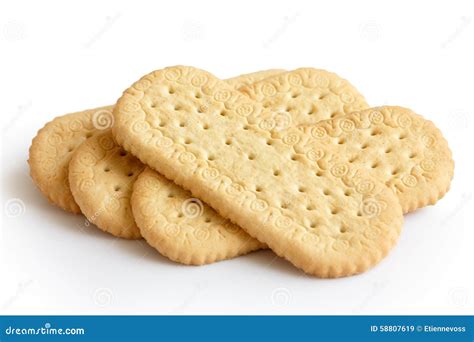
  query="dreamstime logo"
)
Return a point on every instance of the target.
[
  {"x": 103, "y": 119},
  {"x": 377, "y": 287},
  {"x": 103, "y": 297},
  {"x": 465, "y": 199},
  {"x": 287, "y": 21},
  {"x": 83, "y": 225},
  {"x": 21, "y": 288},
  {"x": 47, "y": 329},
  {"x": 198, "y": 288},
  {"x": 21, "y": 110},
  {"x": 465, "y": 21},
  {"x": 459, "y": 119},
  {"x": 459, "y": 296},
  {"x": 13, "y": 31},
  {"x": 109, "y": 21},
  {"x": 192, "y": 31},
  {"x": 281, "y": 296},
  {"x": 14, "y": 207},
  {"x": 370, "y": 31},
  {"x": 110, "y": 203},
  {"x": 192, "y": 208}
]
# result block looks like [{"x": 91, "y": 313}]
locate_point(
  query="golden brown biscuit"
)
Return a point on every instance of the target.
[
  {"x": 303, "y": 96},
  {"x": 183, "y": 228},
  {"x": 101, "y": 176},
  {"x": 397, "y": 146},
  {"x": 244, "y": 80},
  {"x": 208, "y": 138},
  {"x": 53, "y": 146}
]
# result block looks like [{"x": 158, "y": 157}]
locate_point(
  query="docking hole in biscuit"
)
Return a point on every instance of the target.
[
  {"x": 157, "y": 235},
  {"x": 321, "y": 252},
  {"x": 49, "y": 160},
  {"x": 183, "y": 228},
  {"x": 418, "y": 169},
  {"x": 101, "y": 177},
  {"x": 105, "y": 198},
  {"x": 52, "y": 150},
  {"x": 55, "y": 144}
]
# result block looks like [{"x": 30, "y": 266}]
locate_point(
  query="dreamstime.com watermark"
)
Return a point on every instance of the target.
[
  {"x": 282, "y": 28},
  {"x": 103, "y": 119},
  {"x": 370, "y": 30},
  {"x": 109, "y": 22},
  {"x": 193, "y": 31},
  {"x": 47, "y": 329},
  {"x": 192, "y": 208},
  {"x": 21, "y": 110},
  {"x": 281, "y": 297},
  {"x": 103, "y": 297},
  {"x": 465, "y": 21},
  {"x": 14, "y": 31},
  {"x": 14, "y": 207},
  {"x": 21, "y": 288}
]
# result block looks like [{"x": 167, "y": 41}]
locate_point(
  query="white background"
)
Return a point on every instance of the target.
[{"x": 59, "y": 57}]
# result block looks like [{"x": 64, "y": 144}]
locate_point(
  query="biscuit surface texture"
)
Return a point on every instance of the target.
[
  {"x": 183, "y": 228},
  {"x": 155, "y": 213},
  {"x": 53, "y": 146},
  {"x": 241, "y": 81},
  {"x": 208, "y": 138},
  {"x": 303, "y": 96},
  {"x": 101, "y": 176},
  {"x": 397, "y": 146}
]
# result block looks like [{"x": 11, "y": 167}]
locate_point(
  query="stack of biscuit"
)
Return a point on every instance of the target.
[{"x": 206, "y": 170}]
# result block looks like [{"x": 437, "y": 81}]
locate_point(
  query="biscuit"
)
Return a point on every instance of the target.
[
  {"x": 101, "y": 177},
  {"x": 209, "y": 139},
  {"x": 244, "y": 80},
  {"x": 51, "y": 149},
  {"x": 391, "y": 142},
  {"x": 303, "y": 96},
  {"x": 398, "y": 147},
  {"x": 53, "y": 146},
  {"x": 181, "y": 245},
  {"x": 183, "y": 228},
  {"x": 300, "y": 94}
]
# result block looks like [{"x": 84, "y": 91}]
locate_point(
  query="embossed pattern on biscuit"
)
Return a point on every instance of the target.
[
  {"x": 53, "y": 146},
  {"x": 303, "y": 96},
  {"x": 208, "y": 138},
  {"x": 239, "y": 82},
  {"x": 101, "y": 176},
  {"x": 51, "y": 149},
  {"x": 182, "y": 227},
  {"x": 400, "y": 148}
]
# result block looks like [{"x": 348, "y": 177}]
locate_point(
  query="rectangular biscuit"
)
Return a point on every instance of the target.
[
  {"x": 222, "y": 155},
  {"x": 101, "y": 176}
]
